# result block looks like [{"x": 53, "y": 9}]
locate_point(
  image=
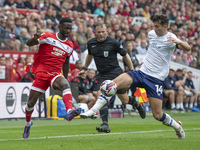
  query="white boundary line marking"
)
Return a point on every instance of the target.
[{"x": 85, "y": 135}]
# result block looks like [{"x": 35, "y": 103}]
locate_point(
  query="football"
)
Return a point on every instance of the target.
[{"x": 108, "y": 88}]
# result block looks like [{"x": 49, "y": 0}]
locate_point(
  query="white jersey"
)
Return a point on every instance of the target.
[{"x": 158, "y": 57}]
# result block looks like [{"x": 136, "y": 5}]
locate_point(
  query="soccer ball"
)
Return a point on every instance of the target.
[{"x": 108, "y": 88}]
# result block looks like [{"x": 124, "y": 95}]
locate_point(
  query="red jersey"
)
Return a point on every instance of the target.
[{"x": 52, "y": 53}]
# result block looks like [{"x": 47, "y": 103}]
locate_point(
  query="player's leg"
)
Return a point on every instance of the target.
[
  {"x": 125, "y": 99},
  {"x": 123, "y": 81},
  {"x": 33, "y": 97},
  {"x": 191, "y": 101},
  {"x": 179, "y": 99},
  {"x": 60, "y": 83},
  {"x": 38, "y": 87},
  {"x": 89, "y": 99},
  {"x": 156, "y": 106},
  {"x": 196, "y": 98}
]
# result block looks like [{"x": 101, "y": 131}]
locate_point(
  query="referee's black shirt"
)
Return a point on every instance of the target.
[{"x": 105, "y": 53}]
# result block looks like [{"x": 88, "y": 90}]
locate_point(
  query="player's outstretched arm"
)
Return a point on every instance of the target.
[
  {"x": 181, "y": 45},
  {"x": 34, "y": 40}
]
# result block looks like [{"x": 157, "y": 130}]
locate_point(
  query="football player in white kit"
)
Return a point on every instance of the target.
[{"x": 153, "y": 71}]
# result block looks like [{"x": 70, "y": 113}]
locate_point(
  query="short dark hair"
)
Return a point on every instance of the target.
[
  {"x": 171, "y": 70},
  {"x": 179, "y": 70},
  {"x": 65, "y": 19},
  {"x": 100, "y": 24},
  {"x": 161, "y": 19}
]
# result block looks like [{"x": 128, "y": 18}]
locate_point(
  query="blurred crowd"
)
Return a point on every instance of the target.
[{"x": 17, "y": 26}]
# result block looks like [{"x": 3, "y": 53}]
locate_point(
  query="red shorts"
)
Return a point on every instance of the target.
[{"x": 43, "y": 80}]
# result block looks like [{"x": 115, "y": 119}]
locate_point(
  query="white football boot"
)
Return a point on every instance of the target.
[
  {"x": 89, "y": 114},
  {"x": 180, "y": 132}
]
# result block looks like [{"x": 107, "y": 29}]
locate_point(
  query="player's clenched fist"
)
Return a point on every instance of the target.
[{"x": 37, "y": 34}]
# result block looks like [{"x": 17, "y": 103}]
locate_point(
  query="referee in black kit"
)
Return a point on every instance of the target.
[{"x": 104, "y": 51}]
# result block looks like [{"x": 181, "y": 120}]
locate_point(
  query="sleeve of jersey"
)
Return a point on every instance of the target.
[
  {"x": 43, "y": 38},
  {"x": 72, "y": 46},
  {"x": 174, "y": 44},
  {"x": 120, "y": 49}
]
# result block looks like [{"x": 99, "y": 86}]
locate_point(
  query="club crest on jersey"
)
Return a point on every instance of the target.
[{"x": 106, "y": 53}]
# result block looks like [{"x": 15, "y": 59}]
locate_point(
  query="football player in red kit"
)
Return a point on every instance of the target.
[{"x": 53, "y": 55}]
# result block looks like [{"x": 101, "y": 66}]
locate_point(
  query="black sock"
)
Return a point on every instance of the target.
[
  {"x": 104, "y": 114},
  {"x": 133, "y": 102}
]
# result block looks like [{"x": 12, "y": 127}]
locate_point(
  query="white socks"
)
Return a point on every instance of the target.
[
  {"x": 101, "y": 101},
  {"x": 171, "y": 122},
  {"x": 173, "y": 106},
  {"x": 29, "y": 109}
]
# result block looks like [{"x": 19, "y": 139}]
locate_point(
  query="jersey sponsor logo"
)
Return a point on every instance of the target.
[
  {"x": 58, "y": 52},
  {"x": 93, "y": 46},
  {"x": 106, "y": 53}
]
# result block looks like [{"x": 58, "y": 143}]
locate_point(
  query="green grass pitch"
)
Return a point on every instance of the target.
[{"x": 128, "y": 133}]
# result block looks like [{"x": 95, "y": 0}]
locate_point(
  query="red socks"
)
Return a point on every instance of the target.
[
  {"x": 67, "y": 98},
  {"x": 28, "y": 114}
]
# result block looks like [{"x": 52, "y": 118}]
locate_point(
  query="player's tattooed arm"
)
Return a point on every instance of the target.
[{"x": 34, "y": 40}]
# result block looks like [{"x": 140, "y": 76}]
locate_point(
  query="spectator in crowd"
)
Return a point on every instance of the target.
[
  {"x": 178, "y": 59},
  {"x": 180, "y": 78},
  {"x": 11, "y": 45},
  {"x": 81, "y": 38},
  {"x": 29, "y": 63},
  {"x": 198, "y": 62},
  {"x": 99, "y": 11},
  {"x": 10, "y": 26},
  {"x": 76, "y": 5},
  {"x": 2, "y": 60},
  {"x": 24, "y": 22},
  {"x": 92, "y": 6},
  {"x": 146, "y": 12},
  {"x": 91, "y": 83},
  {"x": 170, "y": 89},
  {"x": 129, "y": 49},
  {"x": 22, "y": 60},
  {"x": 193, "y": 64},
  {"x": 20, "y": 4},
  {"x": 189, "y": 86},
  {"x": 9, "y": 61},
  {"x": 28, "y": 77},
  {"x": 31, "y": 4},
  {"x": 49, "y": 25},
  {"x": 83, "y": 97},
  {"x": 184, "y": 59},
  {"x": 72, "y": 37},
  {"x": 9, "y": 3},
  {"x": 142, "y": 48},
  {"x": 83, "y": 7}
]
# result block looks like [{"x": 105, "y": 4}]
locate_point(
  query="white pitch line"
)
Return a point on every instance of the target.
[{"x": 84, "y": 135}]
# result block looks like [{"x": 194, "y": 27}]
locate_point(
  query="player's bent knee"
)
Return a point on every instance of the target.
[
  {"x": 157, "y": 116},
  {"x": 30, "y": 104}
]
